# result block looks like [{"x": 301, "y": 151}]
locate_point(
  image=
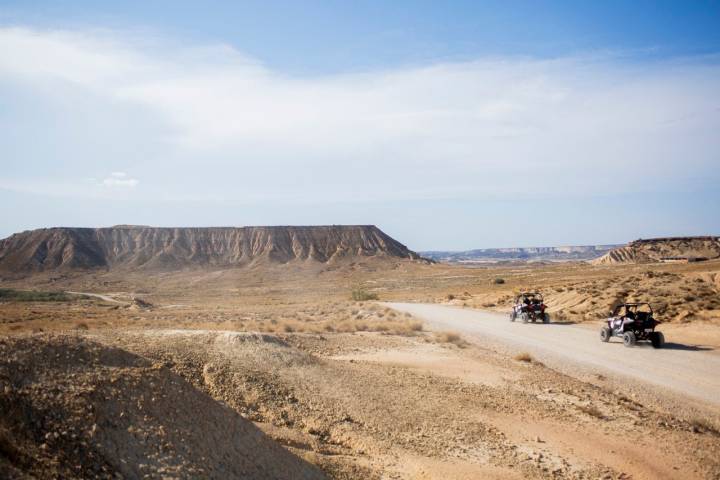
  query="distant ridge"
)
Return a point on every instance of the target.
[
  {"x": 133, "y": 247},
  {"x": 662, "y": 249},
  {"x": 522, "y": 254}
]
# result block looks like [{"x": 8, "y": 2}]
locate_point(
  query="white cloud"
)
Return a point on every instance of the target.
[
  {"x": 117, "y": 179},
  {"x": 227, "y": 125}
]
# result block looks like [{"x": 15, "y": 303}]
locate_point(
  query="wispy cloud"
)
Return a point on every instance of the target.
[
  {"x": 219, "y": 122},
  {"x": 120, "y": 179}
]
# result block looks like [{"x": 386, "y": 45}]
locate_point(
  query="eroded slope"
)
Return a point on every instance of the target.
[
  {"x": 663, "y": 249},
  {"x": 132, "y": 247},
  {"x": 75, "y": 408}
]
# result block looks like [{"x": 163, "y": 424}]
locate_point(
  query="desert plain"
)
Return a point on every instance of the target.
[{"x": 335, "y": 369}]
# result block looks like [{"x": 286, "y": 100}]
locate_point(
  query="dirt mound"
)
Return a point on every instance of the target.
[
  {"x": 127, "y": 247},
  {"x": 74, "y": 408},
  {"x": 663, "y": 249}
]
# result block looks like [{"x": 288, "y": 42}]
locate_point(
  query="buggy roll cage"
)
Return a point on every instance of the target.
[
  {"x": 629, "y": 306},
  {"x": 536, "y": 295}
]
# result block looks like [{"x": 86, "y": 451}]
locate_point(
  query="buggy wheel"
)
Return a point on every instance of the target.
[
  {"x": 605, "y": 334},
  {"x": 629, "y": 339},
  {"x": 513, "y": 315},
  {"x": 546, "y": 318},
  {"x": 657, "y": 339},
  {"x": 524, "y": 317}
]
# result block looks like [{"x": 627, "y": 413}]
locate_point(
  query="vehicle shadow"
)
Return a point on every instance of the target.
[
  {"x": 688, "y": 348},
  {"x": 670, "y": 346},
  {"x": 666, "y": 346},
  {"x": 551, "y": 322}
]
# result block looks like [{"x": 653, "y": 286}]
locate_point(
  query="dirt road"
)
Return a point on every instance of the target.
[
  {"x": 105, "y": 298},
  {"x": 684, "y": 369}
]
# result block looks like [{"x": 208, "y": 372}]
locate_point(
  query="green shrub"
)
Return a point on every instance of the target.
[
  {"x": 8, "y": 294},
  {"x": 499, "y": 281},
  {"x": 360, "y": 295}
]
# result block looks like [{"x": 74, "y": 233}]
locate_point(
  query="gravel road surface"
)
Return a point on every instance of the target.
[{"x": 685, "y": 369}]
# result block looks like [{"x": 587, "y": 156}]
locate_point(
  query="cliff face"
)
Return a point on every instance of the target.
[
  {"x": 173, "y": 248},
  {"x": 659, "y": 249}
]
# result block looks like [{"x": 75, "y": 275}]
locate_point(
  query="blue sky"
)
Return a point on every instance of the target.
[{"x": 451, "y": 125}]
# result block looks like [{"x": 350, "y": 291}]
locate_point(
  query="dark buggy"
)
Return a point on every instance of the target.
[
  {"x": 529, "y": 306},
  {"x": 632, "y": 322}
]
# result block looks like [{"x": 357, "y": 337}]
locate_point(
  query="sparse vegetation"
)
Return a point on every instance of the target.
[
  {"x": 335, "y": 317},
  {"x": 313, "y": 319},
  {"x": 701, "y": 425},
  {"x": 359, "y": 294},
  {"x": 450, "y": 337},
  {"x": 9, "y": 294},
  {"x": 499, "y": 281}
]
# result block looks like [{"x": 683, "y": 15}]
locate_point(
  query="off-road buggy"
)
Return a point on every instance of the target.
[
  {"x": 529, "y": 306},
  {"x": 632, "y": 322}
]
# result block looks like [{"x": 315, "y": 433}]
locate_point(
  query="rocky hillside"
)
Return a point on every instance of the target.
[
  {"x": 664, "y": 249},
  {"x": 522, "y": 254},
  {"x": 173, "y": 248}
]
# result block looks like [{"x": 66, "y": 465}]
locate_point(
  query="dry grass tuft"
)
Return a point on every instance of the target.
[
  {"x": 701, "y": 425},
  {"x": 415, "y": 326},
  {"x": 339, "y": 318},
  {"x": 450, "y": 337},
  {"x": 524, "y": 357}
]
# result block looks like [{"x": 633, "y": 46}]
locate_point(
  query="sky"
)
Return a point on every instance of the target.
[{"x": 450, "y": 125}]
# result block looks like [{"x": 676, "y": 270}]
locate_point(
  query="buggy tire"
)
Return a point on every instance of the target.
[
  {"x": 513, "y": 316},
  {"x": 605, "y": 334},
  {"x": 629, "y": 339},
  {"x": 524, "y": 317},
  {"x": 657, "y": 339},
  {"x": 546, "y": 318}
]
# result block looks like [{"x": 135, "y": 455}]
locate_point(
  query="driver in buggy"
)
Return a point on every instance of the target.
[
  {"x": 632, "y": 322},
  {"x": 529, "y": 306},
  {"x": 624, "y": 316},
  {"x": 627, "y": 315}
]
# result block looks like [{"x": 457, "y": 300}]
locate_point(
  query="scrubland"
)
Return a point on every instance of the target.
[{"x": 284, "y": 372}]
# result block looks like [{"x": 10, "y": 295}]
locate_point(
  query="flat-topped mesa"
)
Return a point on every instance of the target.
[
  {"x": 665, "y": 249},
  {"x": 135, "y": 247}
]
